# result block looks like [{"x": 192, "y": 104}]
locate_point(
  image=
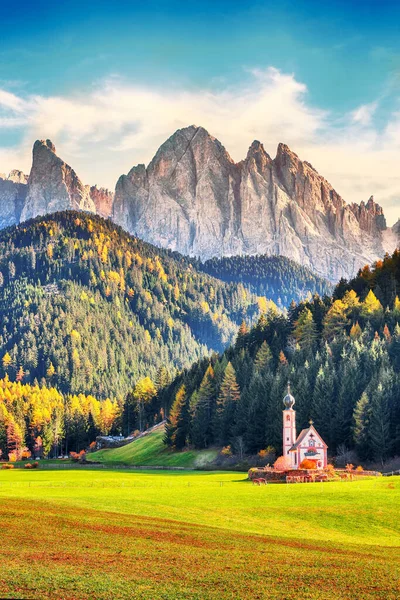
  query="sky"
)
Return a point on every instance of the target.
[{"x": 109, "y": 82}]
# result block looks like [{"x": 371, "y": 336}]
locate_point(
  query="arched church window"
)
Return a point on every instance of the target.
[
  {"x": 287, "y": 417},
  {"x": 312, "y": 443}
]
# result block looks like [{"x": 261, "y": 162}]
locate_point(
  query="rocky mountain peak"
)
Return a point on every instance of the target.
[
  {"x": 53, "y": 185},
  {"x": 103, "y": 200},
  {"x": 18, "y": 177},
  {"x": 193, "y": 198},
  {"x": 44, "y": 144},
  {"x": 13, "y": 189}
]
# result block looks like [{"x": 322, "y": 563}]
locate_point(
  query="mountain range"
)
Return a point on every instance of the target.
[{"x": 193, "y": 198}]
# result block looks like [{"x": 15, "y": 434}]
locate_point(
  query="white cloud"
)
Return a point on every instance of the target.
[
  {"x": 364, "y": 113},
  {"x": 104, "y": 132}
]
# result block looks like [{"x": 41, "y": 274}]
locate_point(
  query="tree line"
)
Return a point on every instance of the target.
[{"x": 276, "y": 277}]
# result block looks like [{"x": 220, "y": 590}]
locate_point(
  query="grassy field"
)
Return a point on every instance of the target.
[
  {"x": 151, "y": 451},
  {"x": 81, "y": 534}
]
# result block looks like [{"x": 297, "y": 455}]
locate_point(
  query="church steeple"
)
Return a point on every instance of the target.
[
  {"x": 289, "y": 422},
  {"x": 288, "y": 400}
]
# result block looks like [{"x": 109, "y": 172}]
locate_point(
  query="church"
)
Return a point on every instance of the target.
[{"x": 308, "y": 445}]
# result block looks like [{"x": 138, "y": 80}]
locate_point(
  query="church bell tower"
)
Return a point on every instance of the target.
[{"x": 289, "y": 423}]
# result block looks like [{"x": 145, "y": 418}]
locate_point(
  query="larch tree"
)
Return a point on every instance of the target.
[
  {"x": 177, "y": 428},
  {"x": 371, "y": 305},
  {"x": 263, "y": 357},
  {"x": 336, "y": 321},
  {"x": 143, "y": 392}
]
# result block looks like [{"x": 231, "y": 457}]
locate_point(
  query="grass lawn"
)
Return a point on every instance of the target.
[
  {"x": 83, "y": 534},
  {"x": 151, "y": 451}
]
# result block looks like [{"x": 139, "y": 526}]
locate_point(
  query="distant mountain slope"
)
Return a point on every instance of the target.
[
  {"x": 276, "y": 277},
  {"x": 91, "y": 309}
]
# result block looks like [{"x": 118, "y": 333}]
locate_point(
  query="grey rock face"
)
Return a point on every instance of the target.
[
  {"x": 53, "y": 185},
  {"x": 13, "y": 191},
  {"x": 193, "y": 198},
  {"x": 103, "y": 200}
]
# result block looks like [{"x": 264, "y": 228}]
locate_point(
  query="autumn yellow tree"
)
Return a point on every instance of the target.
[{"x": 143, "y": 392}]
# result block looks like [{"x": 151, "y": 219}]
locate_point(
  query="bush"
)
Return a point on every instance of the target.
[
  {"x": 28, "y": 466},
  {"x": 226, "y": 451},
  {"x": 282, "y": 464},
  {"x": 307, "y": 463},
  {"x": 78, "y": 457},
  {"x": 25, "y": 454},
  {"x": 359, "y": 469},
  {"x": 7, "y": 466}
]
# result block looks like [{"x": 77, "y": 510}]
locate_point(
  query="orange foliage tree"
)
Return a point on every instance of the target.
[{"x": 307, "y": 463}]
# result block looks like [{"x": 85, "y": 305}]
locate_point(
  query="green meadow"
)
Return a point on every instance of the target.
[{"x": 84, "y": 533}]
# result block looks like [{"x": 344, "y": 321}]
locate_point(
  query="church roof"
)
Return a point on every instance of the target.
[{"x": 302, "y": 435}]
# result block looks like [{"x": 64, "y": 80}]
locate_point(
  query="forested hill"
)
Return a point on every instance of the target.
[
  {"x": 276, "y": 277},
  {"x": 342, "y": 357},
  {"x": 383, "y": 278},
  {"x": 89, "y": 308}
]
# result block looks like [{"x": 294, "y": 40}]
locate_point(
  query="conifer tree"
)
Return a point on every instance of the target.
[
  {"x": 379, "y": 427},
  {"x": 371, "y": 305},
  {"x": 323, "y": 404},
  {"x": 362, "y": 413},
  {"x": 355, "y": 331},
  {"x": 305, "y": 330},
  {"x": 242, "y": 332},
  {"x": 202, "y": 409},
  {"x": 226, "y": 406},
  {"x": 336, "y": 321},
  {"x": 177, "y": 428},
  {"x": 257, "y": 399},
  {"x": 263, "y": 357}
]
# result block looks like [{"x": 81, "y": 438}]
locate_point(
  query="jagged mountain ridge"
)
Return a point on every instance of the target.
[
  {"x": 13, "y": 189},
  {"x": 51, "y": 186},
  {"x": 195, "y": 199}
]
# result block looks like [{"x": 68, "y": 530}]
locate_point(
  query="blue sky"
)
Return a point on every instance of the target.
[
  {"x": 343, "y": 50},
  {"x": 343, "y": 59}
]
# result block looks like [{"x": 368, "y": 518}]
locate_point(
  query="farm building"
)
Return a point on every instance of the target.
[{"x": 308, "y": 445}]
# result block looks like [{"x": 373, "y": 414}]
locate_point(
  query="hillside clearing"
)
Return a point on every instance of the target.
[{"x": 150, "y": 451}]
